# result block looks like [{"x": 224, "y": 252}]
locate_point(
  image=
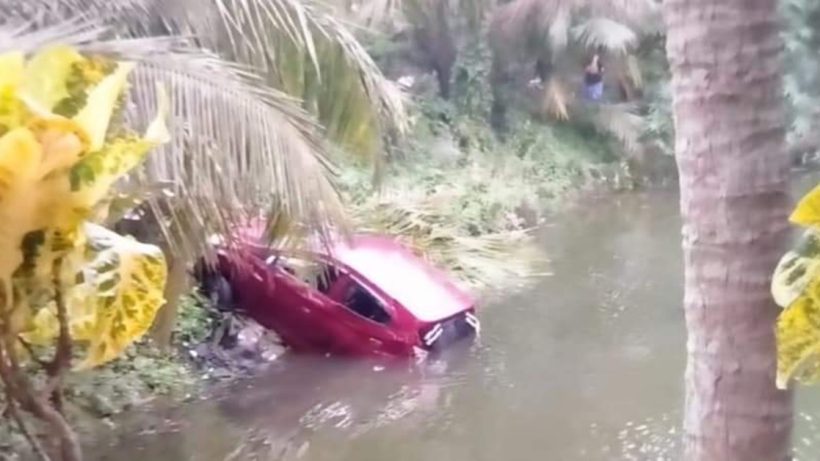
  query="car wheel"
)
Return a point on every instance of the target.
[{"x": 221, "y": 294}]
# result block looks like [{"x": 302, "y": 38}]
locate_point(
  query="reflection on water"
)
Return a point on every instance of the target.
[{"x": 587, "y": 365}]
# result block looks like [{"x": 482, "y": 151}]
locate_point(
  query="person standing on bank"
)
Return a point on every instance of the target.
[{"x": 594, "y": 79}]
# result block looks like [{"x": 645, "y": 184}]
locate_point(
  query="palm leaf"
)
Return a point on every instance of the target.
[
  {"x": 612, "y": 23},
  {"x": 605, "y": 33},
  {"x": 426, "y": 224},
  {"x": 26, "y": 36},
  {"x": 373, "y": 12},
  {"x": 254, "y": 33},
  {"x": 633, "y": 70},
  {"x": 238, "y": 145},
  {"x": 556, "y": 99},
  {"x": 622, "y": 123},
  {"x": 639, "y": 14},
  {"x": 559, "y": 30},
  {"x": 518, "y": 18},
  {"x": 269, "y": 35}
]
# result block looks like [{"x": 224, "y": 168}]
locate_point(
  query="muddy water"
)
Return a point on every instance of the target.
[{"x": 586, "y": 365}]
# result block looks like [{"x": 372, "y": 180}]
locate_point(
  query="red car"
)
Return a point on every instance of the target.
[{"x": 367, "y": 296}]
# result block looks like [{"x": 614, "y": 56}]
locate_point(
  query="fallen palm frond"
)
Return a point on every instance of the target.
[
  {"x": 432, "y": 230},
  {"x": 467, "y": 218}
]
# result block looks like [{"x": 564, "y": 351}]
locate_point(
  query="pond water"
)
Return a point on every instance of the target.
[{"x": 585, "y": 365}]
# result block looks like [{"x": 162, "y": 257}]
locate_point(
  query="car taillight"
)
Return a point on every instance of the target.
[
  {"x": 454, "y": 329},
  {"x": 432, "y": 335},
  {"x": 472, "y": 320}
]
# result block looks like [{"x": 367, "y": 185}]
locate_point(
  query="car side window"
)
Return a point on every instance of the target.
[
  {"x": 362, "y": 302},
  {"x": 319, "y": 275},
  {"x": 326, "y": 278}
]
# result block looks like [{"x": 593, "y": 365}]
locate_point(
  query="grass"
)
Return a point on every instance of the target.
[{"x": 469, "y": 202}]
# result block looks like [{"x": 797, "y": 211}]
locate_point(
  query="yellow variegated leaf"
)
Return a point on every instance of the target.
[
  {"x": 12, "y": 111},
  {"x": 94, "y": 175},
  {"x": 43, "y": 327},
  {"x": 128, "y": 278},
  {"x": 37, "y": 284},
  {"x": 797, "y": 269},
  {"x": 20, "y": 158},
  {"x": 53, "y": 172},
  {"x": 62, "y": 140},
  {"x": 798, "y": 342},
  {"x": 35, "y": 281},
  {"x": 12, "y": 64},
  {"x": 807, "y": 212},
  {"x": 47, "y": 76},
  {"x": 102, "y": 100}
]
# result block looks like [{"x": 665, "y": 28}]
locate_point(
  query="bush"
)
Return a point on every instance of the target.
[{"x": 469, "y": 202}]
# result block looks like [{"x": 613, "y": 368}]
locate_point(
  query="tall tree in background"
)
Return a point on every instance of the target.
[{"x": 725, "y": 58}]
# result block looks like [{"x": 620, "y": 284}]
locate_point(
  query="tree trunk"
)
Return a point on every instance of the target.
[
  {"x": 728, "y": 105},
  {"x": 434, "y": 35},
  {"x": 175, "y": 287}
]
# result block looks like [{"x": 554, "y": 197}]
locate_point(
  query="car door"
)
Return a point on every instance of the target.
[
  {"x": 298, "y": 311},
  {"x": 367, "y": 319}
]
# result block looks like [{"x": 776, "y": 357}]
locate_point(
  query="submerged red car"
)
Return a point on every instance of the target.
[{"x": 368, "y": 295}]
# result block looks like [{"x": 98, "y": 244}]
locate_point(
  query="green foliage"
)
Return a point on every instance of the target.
[
  {"x": 659, "y": 129},
  {"x": 142, "y": 373},
  {"x": 802, "y": 78},
  {"x": 194, "y": 321},
  {"x": 471, "y": 79},
  {"x": 450, "y": 195}
]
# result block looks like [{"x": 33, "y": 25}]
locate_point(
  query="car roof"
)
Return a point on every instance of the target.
[{"x": 427, "y": 292}]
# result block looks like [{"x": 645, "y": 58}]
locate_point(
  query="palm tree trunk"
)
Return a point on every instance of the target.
[
  {"x": 729, "y": 116},
  {"x": 434, "y": 35}
]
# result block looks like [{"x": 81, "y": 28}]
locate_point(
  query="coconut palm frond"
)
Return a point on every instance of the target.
[
  {"x": 606, "y": 33},
  {"x": 342, "y": 96},
  {"x": 559, "y": 30},
  {"x": 372, "y": 12},
  {"x": 633, "y": 70},
  {"x": 254, "y": 33},
  {"x": 556, "y": 99},
  {"x": 141, "y": 49},
  {"x": 26, "y": 36},
  {"x": 238, "y": 145},
  {"x": 47, "y": 13},
  {"x": 428, "y": 226},
  {"x": 643, "y": 14},
  {"x": 608, "y": 26},
  {"x": 267, "y": 34},
  {"x": 624, "y": 124},
  {"x": 386, "y": 99},
  {"x": 512, "y": 19}
]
